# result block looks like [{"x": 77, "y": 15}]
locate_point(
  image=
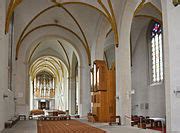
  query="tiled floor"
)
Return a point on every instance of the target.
[{"x": 31, "y": 127}]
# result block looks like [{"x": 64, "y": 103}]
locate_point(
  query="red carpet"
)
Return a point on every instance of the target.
[
  {"x": 64, "y": 126},
  {"x": 158, "y": 129}
]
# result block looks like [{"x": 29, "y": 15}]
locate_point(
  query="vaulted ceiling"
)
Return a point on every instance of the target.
[{"x": 66, "y": 22}]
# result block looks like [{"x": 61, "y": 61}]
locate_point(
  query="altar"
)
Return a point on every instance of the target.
[{"x": 52, "y": 112}]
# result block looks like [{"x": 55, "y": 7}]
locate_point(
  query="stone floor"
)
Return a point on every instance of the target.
[
  {"x": 31, "y": 127},
  {"x": 23, "y": 127},
  {"x": 119, "y": 129}
]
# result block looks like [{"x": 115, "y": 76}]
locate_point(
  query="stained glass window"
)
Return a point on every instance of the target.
[{"x": 157, "y": 53}]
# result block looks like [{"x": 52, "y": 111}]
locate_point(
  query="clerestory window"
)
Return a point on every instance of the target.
[{"x": 157, "y": 53}]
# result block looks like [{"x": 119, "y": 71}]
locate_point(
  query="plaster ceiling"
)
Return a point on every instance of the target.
[
  {"x": 83, "y": 17},
  {"x": 142, "y": 20},
  {"x": 49, "y": 64}
]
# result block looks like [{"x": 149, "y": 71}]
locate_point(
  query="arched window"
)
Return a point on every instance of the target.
[{"x": 157, "y": 53}]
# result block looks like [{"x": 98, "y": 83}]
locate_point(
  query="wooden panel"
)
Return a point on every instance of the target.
[
  {"x": 111, "y": 93},
  {"x": 103, "y": 96}
]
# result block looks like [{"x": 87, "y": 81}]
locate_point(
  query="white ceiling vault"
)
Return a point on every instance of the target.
[
  {"x": 151, "y": 10},
  {"x": 49, "y": 64},
  {"x": 76, "y": 22}
]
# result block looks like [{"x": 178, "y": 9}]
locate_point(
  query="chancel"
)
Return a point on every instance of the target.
[
  {"x": 44, "y": 92},
  {"x": 89, "y": 66}
]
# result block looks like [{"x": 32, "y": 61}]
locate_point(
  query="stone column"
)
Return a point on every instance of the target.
[
  {"x": 2, "y": 42},
  {"x": 66, "y": 92},
  {"x": 31, "y": 93},
  {"x": 72, "y": 95},
  {"x": 123, "y": 65},
  {"x": 171, "y": 42},
  {"x": 85, "y": 102},
  {"x": 123, "y": 83},
  {"x": 6, "y": 103}
]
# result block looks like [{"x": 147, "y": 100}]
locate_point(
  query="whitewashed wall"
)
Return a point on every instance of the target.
[
  {"x": 153, "y": 95},
  {"x": 6, "y": 104},
  {"x": 140, "y": 75}
]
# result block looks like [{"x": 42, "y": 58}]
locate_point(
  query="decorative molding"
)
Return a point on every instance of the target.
[
  {"x": 33, "y": 51},
  {"x": 74, "y": 19},
  {"x": 114, "y": 27},
  {"x": 38, "y": 65},
  {"x": 139, "y": 7},
  {"x": 112, "y": 19},
  {"x": 30, "y": 22},
  {"x": 12, "y": 5},
  {"x": 143, "y": 4},
  {"x": 77, "y": 23},
  {"x": 58, "y": 63},
  {"x": 65, "y": 52},
  {"x": 108, "y": 32},
  {"x": 106, "y": 60},
  {"x": 46, "y": 66},
  {"x": 51, "y": 25},
  {"x": 176, "y": 2},
  {"x": 151, "y": 17}
]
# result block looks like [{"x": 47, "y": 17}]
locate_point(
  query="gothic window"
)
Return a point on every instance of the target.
[{"x": 157, "y": 53}]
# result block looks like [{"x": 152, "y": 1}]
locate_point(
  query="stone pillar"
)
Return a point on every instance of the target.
[
  {"x": 171, "y": 32},
  {"x": 123, "y": 65},
  {"x": 31, "y": 93},
  {"x": 2, "y": 43},
  {"x": 85, "y": 102},
  {"x": 6, "y": 103},
  {"x": 66, "y": 92},
  {"x": 72, "y": 95},
  {"x": 123, "y": 83}
]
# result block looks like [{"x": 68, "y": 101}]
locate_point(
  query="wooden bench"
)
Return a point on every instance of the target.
[
  {"x": 113, "y": 120},
  {"x": 135, "y": 120},
  {"x": 92, "y": 118},
  {"x": 22, "y": 117},
  {"x": 12, "y": 121},
  {"x": 77, "y": 116},
  {"x": 36, "y": 113},
  {"x": 8, "y": 124},
  {"x": 55, "y": 118}
]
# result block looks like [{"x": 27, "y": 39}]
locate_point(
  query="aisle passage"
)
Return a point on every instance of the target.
[
  {"x": 73, "y": 126},
  {"x": 70, "y": 126}
]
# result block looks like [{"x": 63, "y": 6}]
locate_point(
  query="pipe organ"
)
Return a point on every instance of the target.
[
  {"x": 103, "y": 92},
  {"x": 44, "y": 86}
]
